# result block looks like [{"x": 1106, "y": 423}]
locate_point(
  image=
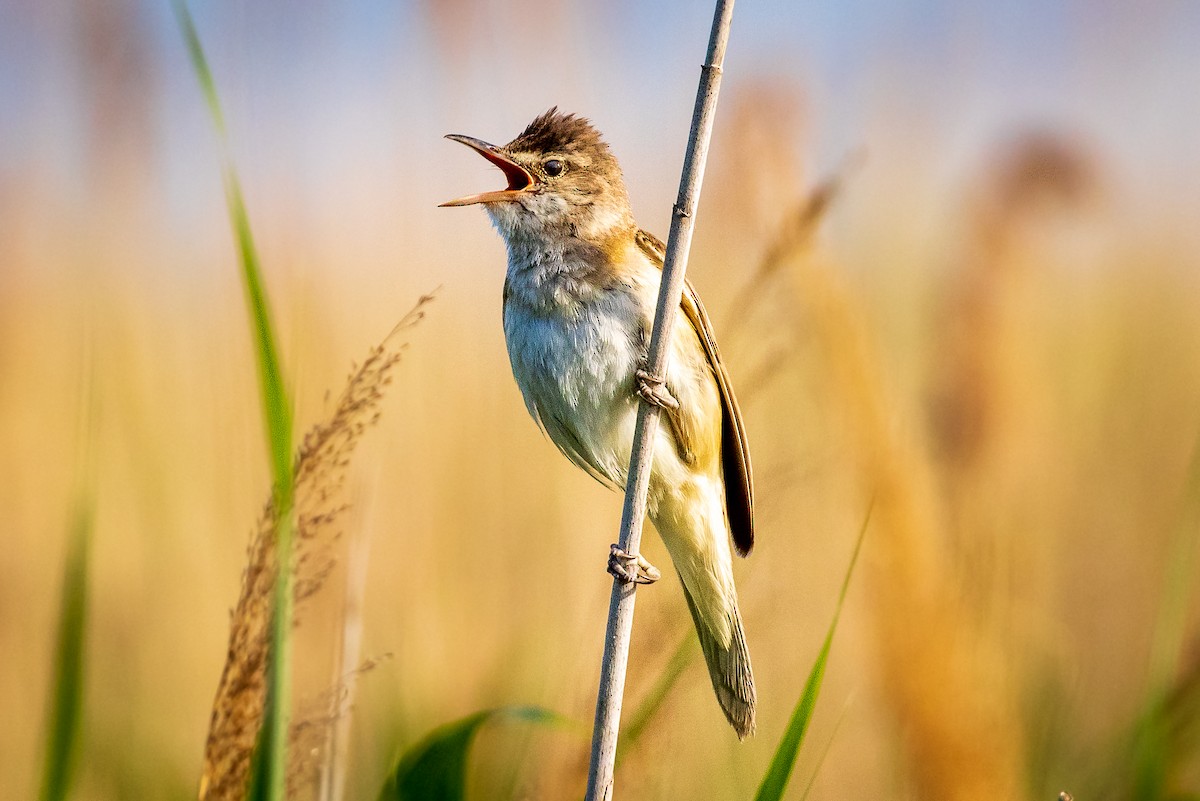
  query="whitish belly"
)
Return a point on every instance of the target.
[{"x": 577, "y": 380}]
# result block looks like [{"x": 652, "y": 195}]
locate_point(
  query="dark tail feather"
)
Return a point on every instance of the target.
[{"x": 729, "y": 669}]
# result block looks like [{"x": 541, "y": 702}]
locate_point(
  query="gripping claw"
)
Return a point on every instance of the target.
[
  {"x": 631, "y": 568},
  {"x": 653, "y": 389}
]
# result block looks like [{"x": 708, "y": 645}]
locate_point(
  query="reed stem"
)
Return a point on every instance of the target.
[{"x": 621, "y": 602}]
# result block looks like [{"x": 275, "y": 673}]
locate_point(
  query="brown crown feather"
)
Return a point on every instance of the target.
[{"x": 554, "y": 132}]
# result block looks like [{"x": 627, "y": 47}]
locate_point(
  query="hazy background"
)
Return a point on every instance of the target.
[{"x": 1013, "y": 259}]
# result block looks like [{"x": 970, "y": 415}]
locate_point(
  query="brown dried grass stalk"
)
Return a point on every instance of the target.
[
  {"x": 940, "y": 672},
  {"x": 1032, "y": 172},
  {"x": 983, "y": 385},
  {"x": 795, "y": 236},
  {"x": 320, "y": 474}
]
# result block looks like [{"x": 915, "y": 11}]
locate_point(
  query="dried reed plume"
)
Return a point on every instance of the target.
[
  {"x": 793, "y": 237},
  {"x": 983, "y": 388},
  {"x": 938, "y": 670},
  {"x": 957, "y": 716},
  {"x": 320, "y": 473},
  {"x": 1035, "y": 170}
]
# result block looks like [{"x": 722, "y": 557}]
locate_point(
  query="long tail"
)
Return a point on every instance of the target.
[
  {"x": 697, "y": 537},
  {"x": 729, "y": 668}
]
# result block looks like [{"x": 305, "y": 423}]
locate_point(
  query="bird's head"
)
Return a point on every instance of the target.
[{"x": 562, "y": 181}]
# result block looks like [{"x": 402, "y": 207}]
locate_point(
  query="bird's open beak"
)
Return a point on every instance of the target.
[{"x": 519, "y": 178}]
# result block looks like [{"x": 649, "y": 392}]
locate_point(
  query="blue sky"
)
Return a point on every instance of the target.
[{"x": 321, "y": 90}]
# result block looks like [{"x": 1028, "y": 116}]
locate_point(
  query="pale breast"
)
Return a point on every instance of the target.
[{"x": 574, "y": 366}]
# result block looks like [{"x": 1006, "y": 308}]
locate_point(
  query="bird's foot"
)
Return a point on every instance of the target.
[
  {"x": 631, "y": 568},
  {"x": 653, "y": 389}
]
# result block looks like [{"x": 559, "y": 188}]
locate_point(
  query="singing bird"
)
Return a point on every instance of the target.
[{"x": 579, "y": 302}]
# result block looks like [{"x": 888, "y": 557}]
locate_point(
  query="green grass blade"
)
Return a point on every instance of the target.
[
  {"x": 1157, "y": 739},
  {"x": 685, "y": 654},
  {"x": 270, "y": 774},
  {"x": 273, "y": 736},
  {"x": 780, "y": 770},
  {"x": 277, "y": 411},
  {"x": 65, "y": 707},
  {"x": 824, "y": 753},
  {"x": 277, "y": 408},
  {"x": 435, "y": 768},
  {"x": 200, "y": 64},
  {"x": 261, "y": 784}
]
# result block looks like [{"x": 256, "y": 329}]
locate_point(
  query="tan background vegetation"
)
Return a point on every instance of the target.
[{"x": 992, "y": 330}]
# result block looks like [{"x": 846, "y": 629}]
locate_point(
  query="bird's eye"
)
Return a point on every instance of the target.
[{"x": 554, "y": 167}]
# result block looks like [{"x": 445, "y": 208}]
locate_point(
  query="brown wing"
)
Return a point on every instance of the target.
[{"x": 735, "y": 451}]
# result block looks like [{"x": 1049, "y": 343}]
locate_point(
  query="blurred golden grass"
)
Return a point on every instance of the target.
[{"x": 1039, "y": 564}]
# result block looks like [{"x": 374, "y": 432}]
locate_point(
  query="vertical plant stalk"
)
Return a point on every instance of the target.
[
  {"x": 942, "y": 673},
  {"x": 332, "y": 780},
  {"x": 271, "y": 764},
  {"x": 679, "y": 242},
  {"x": 65, "y": 707},
  {"x": 273, "y": 739}
]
